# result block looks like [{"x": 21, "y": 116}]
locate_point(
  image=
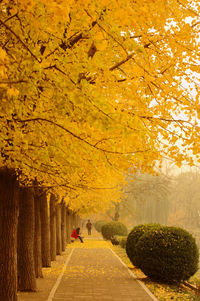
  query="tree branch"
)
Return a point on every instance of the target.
[
  {"x": 19, "y": 39},
  {"x": 122, "y": 62},
  {"x": 78, "y": 137},
  {"x": 9, "y": 18},
  {"x": 12, "y": 82}
]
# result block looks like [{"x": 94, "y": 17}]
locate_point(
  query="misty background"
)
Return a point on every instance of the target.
[{"x": 170, "y": 198}]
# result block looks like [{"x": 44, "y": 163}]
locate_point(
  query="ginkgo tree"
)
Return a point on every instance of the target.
[{"x": 89, "y": 89}]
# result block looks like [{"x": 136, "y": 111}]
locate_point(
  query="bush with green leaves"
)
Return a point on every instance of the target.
[
  {"x": 122, "y": 241},
  {"x": 168, "y": 254},
  {"x": 114, "y": 240},
  {"x": 113, "y": 228},
  {"x": 99, "y": 224},
  {"x": 133, "y": 238}
]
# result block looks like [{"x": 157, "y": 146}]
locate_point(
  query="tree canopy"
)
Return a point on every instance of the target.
[{"x": 91, "y": 88}]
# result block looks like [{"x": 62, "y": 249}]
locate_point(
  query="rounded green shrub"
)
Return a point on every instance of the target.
[
  {"x": 113, "y": 228},
  {"x": 99, "y": 224},
  {"x": 133, "y": 238},
  {"x": 168, "y": 254},
  {"x": 122, "y": 241},
  {"x": 114, "y": 240}
]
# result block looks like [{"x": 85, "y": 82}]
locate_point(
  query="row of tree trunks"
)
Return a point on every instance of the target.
[
  {"x": 31, "y": 234},
  {"x": 49, "y": 234},
  {"x": 61, "y": 226}
]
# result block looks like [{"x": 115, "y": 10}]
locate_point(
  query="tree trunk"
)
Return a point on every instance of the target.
[
  {"x": 8, "y": 234},
  {"x": 26, "y": 229},
  {"x": 45, "y": 231},
  {"x": 63, "y": 226},
  {"x": 117, "y": 210},
  {"x": 58, "y": 230},
  {"x": 78, "y": 219},
  {"x": 37, "y": 238},
  {"x": 72, "y": 220},
  {"x": 68, "y": 226},
  {"x": 53, "y": 227}
]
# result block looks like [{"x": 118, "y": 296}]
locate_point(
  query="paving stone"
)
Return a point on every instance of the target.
[{"x": 98, "y": 275}]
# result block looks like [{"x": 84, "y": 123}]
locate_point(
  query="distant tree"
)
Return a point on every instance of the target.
[
  {"x": 146, "y": 198},
  {"x": 185, "y": 196}
]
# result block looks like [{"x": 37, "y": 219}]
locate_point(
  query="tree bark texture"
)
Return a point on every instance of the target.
[
  {"x": 58, "y": 230},
  {"x": 45, "y": 231},
  {"x": 26, "y": 229},
  {"x": 68, "y": 226},
  {"x": 37, "y": 238},
  {"x": 53, "y": 227},
  {"x": 78, "y": 221},
  {"x": 8, "y": 234},
  {"x": 63, "y": 226},
  {"x": 74, "y": 222}
]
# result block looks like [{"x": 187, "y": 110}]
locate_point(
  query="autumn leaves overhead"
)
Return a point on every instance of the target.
[{"x": 91, "y": 88}]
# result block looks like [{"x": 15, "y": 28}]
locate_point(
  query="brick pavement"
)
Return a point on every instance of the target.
[{"x": 98, "y": 275}]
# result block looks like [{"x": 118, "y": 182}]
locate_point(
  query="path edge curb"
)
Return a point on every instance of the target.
[
  {"x": 133, "y": 275},
  {"x": 54, "y": 288}
]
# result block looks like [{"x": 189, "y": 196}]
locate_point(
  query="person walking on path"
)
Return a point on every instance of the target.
[
  {"x": 89, "y": 227},
  {"x": 75, "y": 235}
]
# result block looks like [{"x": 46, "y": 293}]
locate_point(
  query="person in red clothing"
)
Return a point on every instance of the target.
[{"x": 75, "y": 234}]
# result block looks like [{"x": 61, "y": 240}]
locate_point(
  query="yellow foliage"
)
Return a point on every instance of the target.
[
  {"x": 92, "y": 90},
  {"x": 12, "y": 92}
]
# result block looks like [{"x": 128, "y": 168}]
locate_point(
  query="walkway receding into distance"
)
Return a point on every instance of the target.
[{"x": 97, "y": 274}]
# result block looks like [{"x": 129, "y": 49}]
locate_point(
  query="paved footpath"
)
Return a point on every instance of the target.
[{"x": 97, "y": 275}]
